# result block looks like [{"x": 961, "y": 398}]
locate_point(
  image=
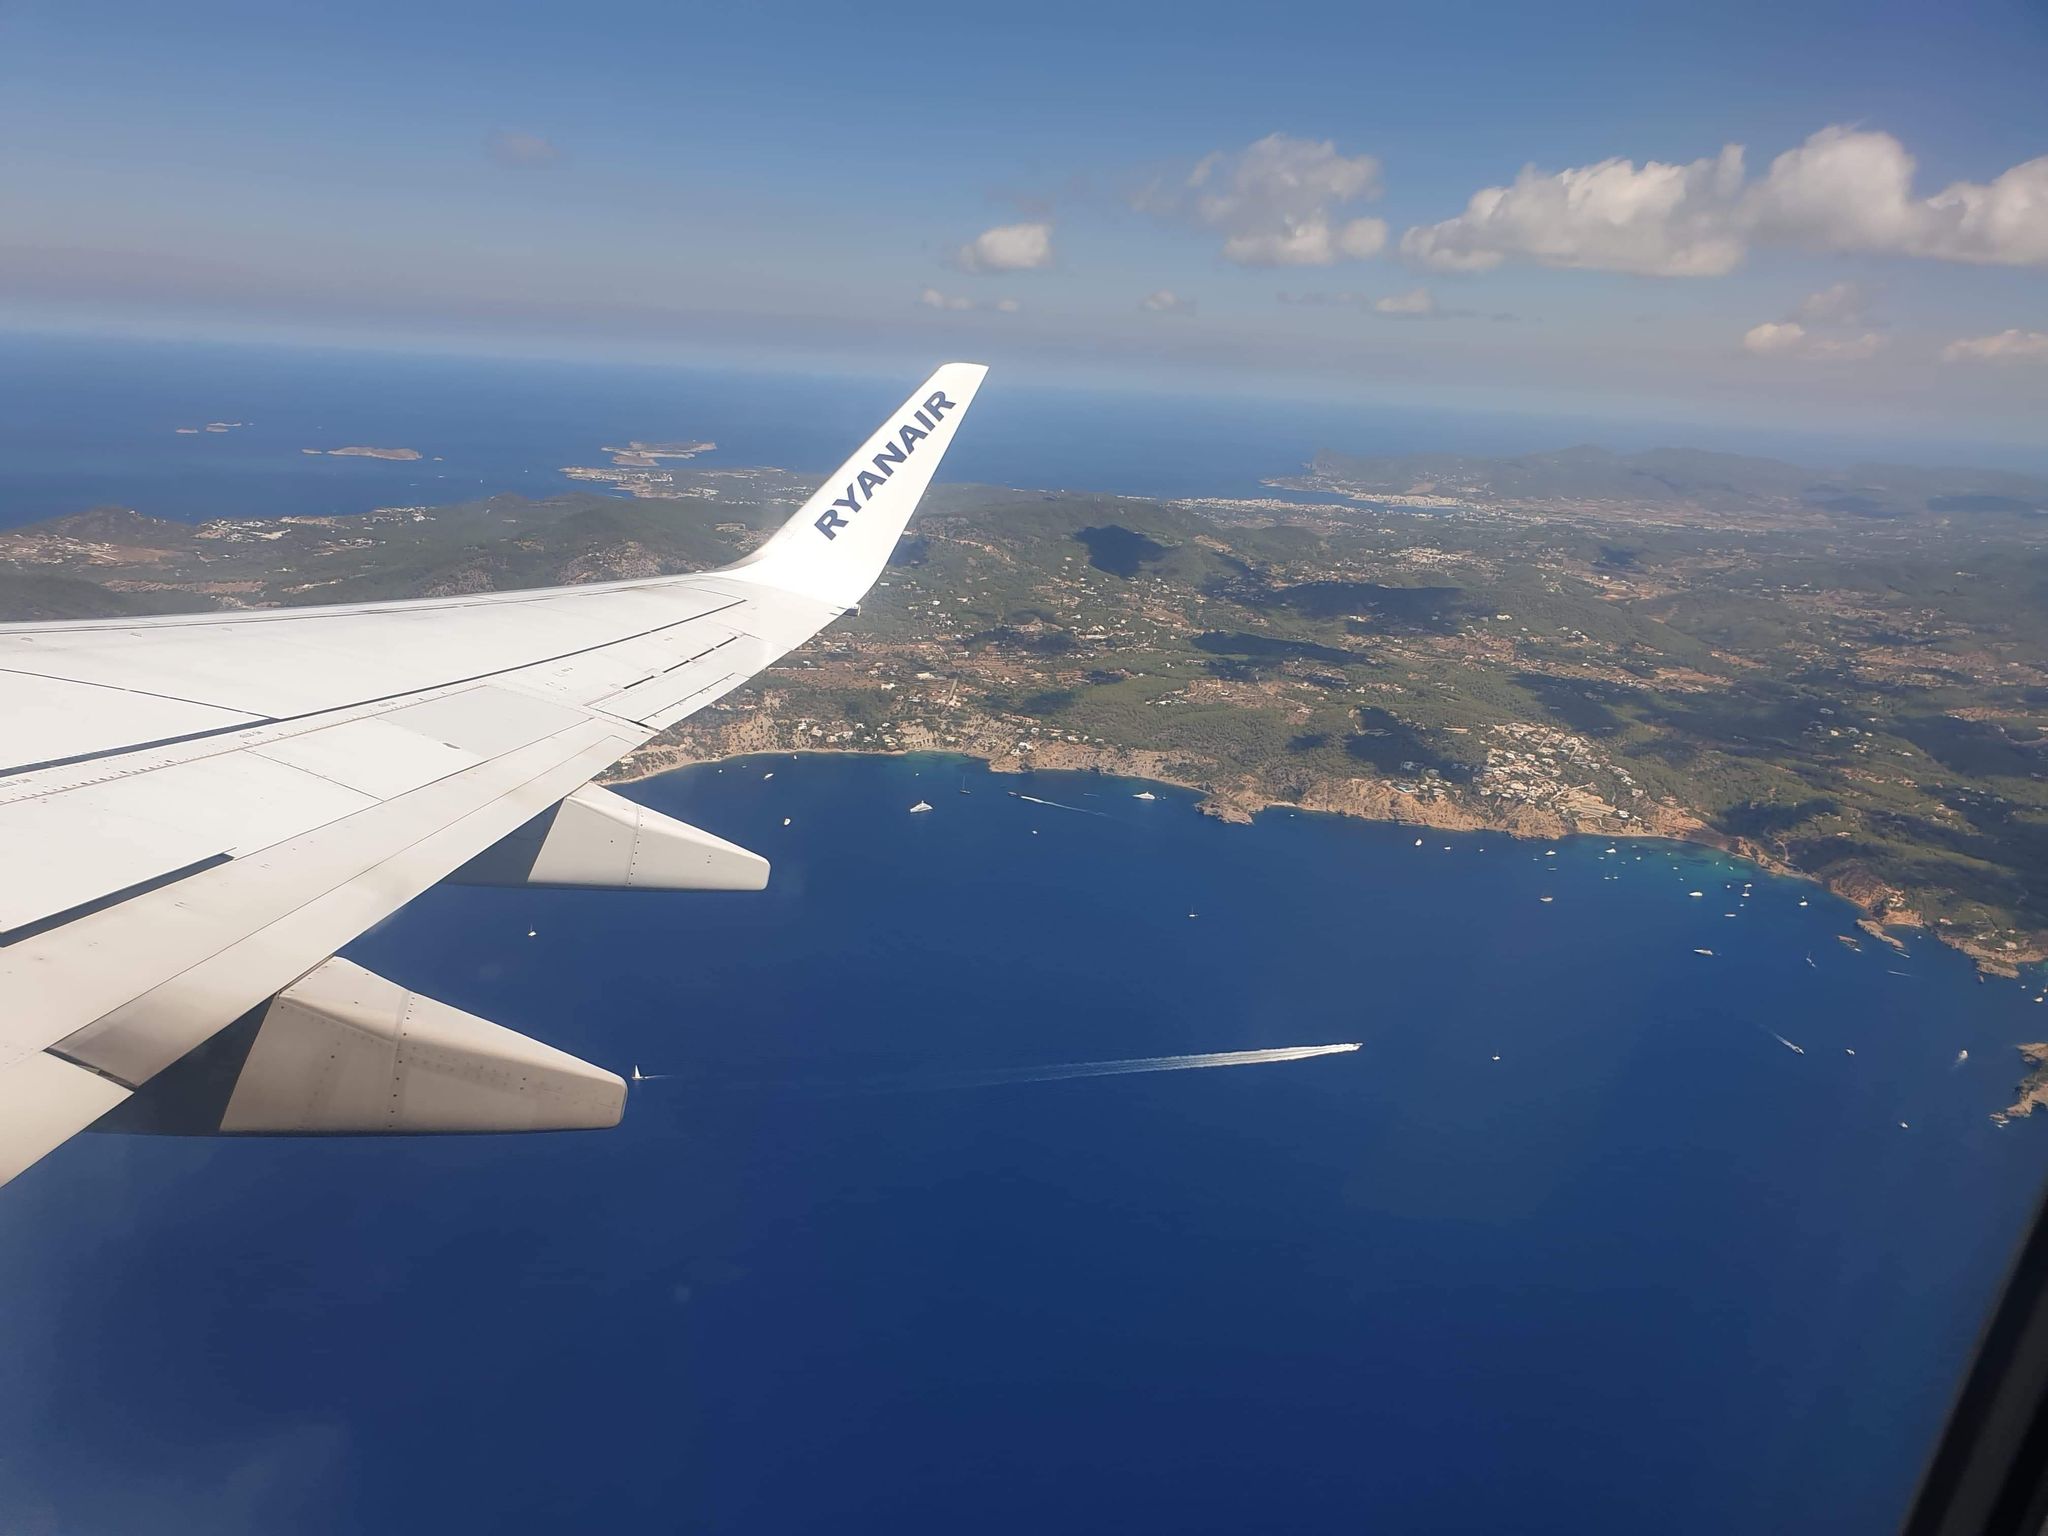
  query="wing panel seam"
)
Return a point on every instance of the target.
[
  {"x": 314, "y": 714},
  {"x": 73, "y": 913}
]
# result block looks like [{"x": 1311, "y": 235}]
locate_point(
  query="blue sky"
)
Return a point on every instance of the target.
[{"x": 1265, "y": 200}]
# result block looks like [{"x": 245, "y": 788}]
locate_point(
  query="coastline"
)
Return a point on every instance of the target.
[
  {"x": 2032, "y": 1089},
  {"x": 1885, "y": 914}
]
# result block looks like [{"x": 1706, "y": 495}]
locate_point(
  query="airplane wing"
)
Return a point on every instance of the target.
[{"x": 197, "y": 811}]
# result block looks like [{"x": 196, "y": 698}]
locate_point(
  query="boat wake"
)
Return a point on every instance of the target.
[
  {"x": 1065, "y": 1070},
  {"x": 1002, "y": 1077},
  {"x": 1055, "y": 804}
]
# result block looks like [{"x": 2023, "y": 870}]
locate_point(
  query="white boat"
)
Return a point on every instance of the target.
[
  {"x": 922, "y": 805},
  {"x": 1144, "y": 794},
  {"x": 1703, "y": 951}
]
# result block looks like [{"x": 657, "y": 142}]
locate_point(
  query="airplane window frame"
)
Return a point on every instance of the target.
[{"x": 1988, "y": 1474}]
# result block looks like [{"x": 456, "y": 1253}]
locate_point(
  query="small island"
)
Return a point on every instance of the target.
[
  {"x": 366, "y": 453},
  {"x": 638, "y": 455}
]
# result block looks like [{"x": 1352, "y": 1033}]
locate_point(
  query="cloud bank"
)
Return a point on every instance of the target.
[{"x": 1843, "y": 190}]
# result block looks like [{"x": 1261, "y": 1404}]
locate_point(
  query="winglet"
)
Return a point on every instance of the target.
[{"x": 838, "y": 544}]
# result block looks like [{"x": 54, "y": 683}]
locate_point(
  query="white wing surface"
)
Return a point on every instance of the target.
[{"x": 197, "y": 811}]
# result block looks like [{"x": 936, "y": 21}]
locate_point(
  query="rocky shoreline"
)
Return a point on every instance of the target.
[
  {"x": 1886, "y": 914},
  {"x": 2032, "y": 1089}
]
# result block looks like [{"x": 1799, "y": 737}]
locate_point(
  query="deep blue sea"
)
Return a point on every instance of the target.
[{"x": 1572, "y": 1244}]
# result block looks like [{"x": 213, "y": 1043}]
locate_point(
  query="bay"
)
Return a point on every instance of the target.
[{"x": 1571, "y": 1242}]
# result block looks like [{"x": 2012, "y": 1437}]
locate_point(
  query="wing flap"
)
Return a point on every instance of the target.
[
  {"x": 372, "y": 756},
  {"x": 130, "y": 989},
  {"x": 68, "y": 849},
  {"x": 345, "y": 1052},
  {"x": 51, "y": 720},
  {"x": 44, "y": 1102}
]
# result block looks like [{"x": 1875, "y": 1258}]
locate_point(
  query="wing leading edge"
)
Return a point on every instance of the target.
[{"x": 197, "y": 811}]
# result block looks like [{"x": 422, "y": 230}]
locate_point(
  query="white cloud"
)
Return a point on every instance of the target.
[
  {"x": 1773, "y": 337},
  {"x": 2005, "y": 223},
  {"x": 1415, "y": 304},
  {"x": 1823, "y": 326},
  {"x": 1788, "y": 338},
  {"x": 1844, "y": 189},
  {"x": 1663, "y": 220},
  {"x": 1165, "y": 301},
  {"x": 1836, "y": 304},
  {"x": 1007, "y": 248},
  {"x": 510, "y": 146},
  {"x": 1847, "y": 189},
  {"x": 1312, "y": 243},
  {"x": 1279, "y": 202},
  {"x": 2005, "y": 347},
  {"x": 931, "y": 298}
]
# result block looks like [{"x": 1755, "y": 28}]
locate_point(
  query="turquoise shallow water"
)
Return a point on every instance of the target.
[{"x": 1650, "y": 1269}]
